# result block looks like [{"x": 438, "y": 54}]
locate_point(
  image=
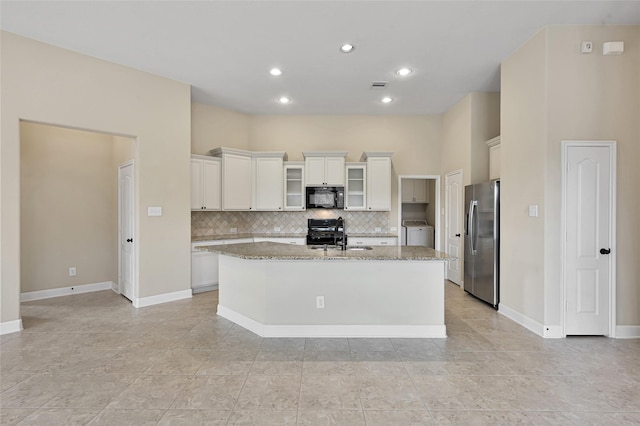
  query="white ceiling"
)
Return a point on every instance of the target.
[{"x": 225, "y": 49}]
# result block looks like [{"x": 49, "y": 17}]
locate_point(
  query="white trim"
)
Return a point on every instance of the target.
[
  {"x": 437, "y": 208},
  {"x": 523, "y": 320},
  {"x": 613, "y": 329},
  {"x": 66, "y": 291},
  {"x": 553, "y": 332},
  {"x": 141, "y": 302},
  {"x": 8, "y": 327},
  {"x": 292, "y": 330},
  {"x": 628, "y": 332},
  {"x": 204, "y": 288}
]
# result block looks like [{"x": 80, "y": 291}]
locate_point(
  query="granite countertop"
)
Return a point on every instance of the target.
[
  {"x": 280, "y": 235},
  {"x": 276, "y": 251}
]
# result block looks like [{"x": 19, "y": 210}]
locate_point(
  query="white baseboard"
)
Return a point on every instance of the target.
[
  {"x": 204, "y": 288},
  {"x": 628, "y": 332},
  {"x": 10, "y": 326},
  {"x": 269, "y": 330},
  {"x": 523, "y": 320},
  {"x": 141, "y": 302},
  {"x": 66, "y": 291}
]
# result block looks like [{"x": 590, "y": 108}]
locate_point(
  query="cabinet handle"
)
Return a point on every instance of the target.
[
  {"x": 129, "y": 240},
  {"x": 457, "y": 235}
]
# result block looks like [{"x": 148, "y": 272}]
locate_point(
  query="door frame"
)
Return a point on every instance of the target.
[
  {"x": 460, "y": 219},
  {"x": 133, "y": 224},
  {"x": 566, "y": 144},
  {"x": 437, "y": 207}
]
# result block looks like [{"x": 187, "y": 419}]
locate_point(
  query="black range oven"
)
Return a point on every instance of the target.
[{"x": 329, "y": 232}]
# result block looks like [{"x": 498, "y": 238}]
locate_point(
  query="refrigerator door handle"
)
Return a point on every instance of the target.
[{"x": 470, "y": 225}]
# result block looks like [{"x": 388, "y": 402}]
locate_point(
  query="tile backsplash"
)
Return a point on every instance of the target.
[{"x": 214, "y": 223}]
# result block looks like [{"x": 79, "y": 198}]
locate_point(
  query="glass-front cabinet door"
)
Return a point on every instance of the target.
[
  {"x": 356, "y": 190},
  {"x": 294, "y": 186}
]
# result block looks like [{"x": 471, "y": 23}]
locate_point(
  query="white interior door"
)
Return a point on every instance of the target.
[
  {"x": 589, "y": 223},
  {"x": 126, "y": 231},
  {"x": 453, "y": 219}
]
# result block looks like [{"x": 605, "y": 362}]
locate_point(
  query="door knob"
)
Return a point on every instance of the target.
[
  {"x": 605, "y": 251},
  {"x": 129, "y": 240},
  {"x": 457, "y": 235}
]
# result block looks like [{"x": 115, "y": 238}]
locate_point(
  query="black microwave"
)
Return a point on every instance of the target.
[{"x": 325, "y": 197}]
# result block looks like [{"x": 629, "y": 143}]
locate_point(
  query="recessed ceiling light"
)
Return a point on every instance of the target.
[
  {"x": 403, "y": 72},
  {"x": 347, "y": 48},
  {"x": 386, "y": 100},
  {"x": 284, "y": 100},
  {"x": 275, "y": 72}
]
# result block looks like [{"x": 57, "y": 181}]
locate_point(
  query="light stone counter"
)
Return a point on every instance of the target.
[
  {"x": 216, "y": 237},
  {"x": 275, "y": 251}
]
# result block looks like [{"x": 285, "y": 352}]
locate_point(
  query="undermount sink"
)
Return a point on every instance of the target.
[{"x": 350, "y": 248}]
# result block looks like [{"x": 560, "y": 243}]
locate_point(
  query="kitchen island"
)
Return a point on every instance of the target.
[{"x": 279, "y": 290}]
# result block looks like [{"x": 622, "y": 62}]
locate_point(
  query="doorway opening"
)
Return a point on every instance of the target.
[
  {"x": 418, "y": 207},
  {"x": 69, "y": 209}
]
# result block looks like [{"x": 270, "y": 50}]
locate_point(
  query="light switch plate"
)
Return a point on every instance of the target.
[
  {"x": 533, "y": 210},
  {"x": 154, "y": 211}
]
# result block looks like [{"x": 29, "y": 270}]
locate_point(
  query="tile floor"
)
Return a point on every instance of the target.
[{"x": 94, "y": 359}]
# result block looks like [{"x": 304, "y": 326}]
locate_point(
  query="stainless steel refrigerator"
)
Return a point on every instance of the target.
[{"x": 482, "y": 241}]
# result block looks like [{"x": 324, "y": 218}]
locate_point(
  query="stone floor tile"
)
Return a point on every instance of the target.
[{"x": 331, "y": 417}]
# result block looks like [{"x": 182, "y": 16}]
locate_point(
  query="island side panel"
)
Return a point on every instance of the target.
[
  {"x": 242, "y": 289},
  {"x": 355, "y": 292}
]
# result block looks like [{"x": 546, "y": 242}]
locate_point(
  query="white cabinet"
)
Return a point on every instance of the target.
[
  {"x": 372, "y": 241},
  {"x": 237, "y": 176},
  {"x": 301, "y": 241},
  {"x": 294, "y": 192},
  {"x": 204, "y": 267},
  {"x": 324, "y": 168},
  {"x": 415, "y": 191},
  {"x": 205, "y": 183},
  {"x": 378, "y": 180},
  {"x": 494, "y": 158},
  {"x": 268, "y": 175},
  {"x": 356, "y": 186}
]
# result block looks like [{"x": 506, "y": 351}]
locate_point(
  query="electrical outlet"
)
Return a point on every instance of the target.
[
  {"x": 72, "y": 271},
  {"x": 586, "y": 47},
  {"x": 378, "y": 229},
  {"x": 234, "y": 230},
  {"x": 276, "y": 229},
  {"x": 320, "y": 302}
]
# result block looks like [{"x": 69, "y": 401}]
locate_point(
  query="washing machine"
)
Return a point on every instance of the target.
[{"x": 419, "y": 233}]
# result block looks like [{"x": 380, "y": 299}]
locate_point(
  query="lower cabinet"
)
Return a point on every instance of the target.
[{"x": 373, "y": 241}]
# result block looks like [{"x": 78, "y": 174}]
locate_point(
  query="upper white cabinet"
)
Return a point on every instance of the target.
[
  {"x": 324, "y": 168},
  {"x": 268, "y": 175},
  {"x": 378, "y": 180},
  {"x": 205, "y": 183},
  {"x": 294, "y": 191},
  {"x": 237, "y": 174},
  {"x": 415, "y": 191},
  {"x": 494, "y": 158},
  {"x": 356, "y": 186}
]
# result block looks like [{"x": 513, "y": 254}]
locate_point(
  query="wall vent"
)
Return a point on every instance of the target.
[{"x": 379, "y": 84}]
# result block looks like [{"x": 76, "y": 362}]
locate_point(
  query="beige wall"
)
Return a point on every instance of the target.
[
  {"x": 212, "y": 127},
  {"x": 68, "y": 207},
  {"x": 46, "y": 84},
  {"x": 466, "y": 127},
  {"x": 522, "y": 147},
  {"x": 595, "y": 97},
  {"x": 551, "y": 93}
]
